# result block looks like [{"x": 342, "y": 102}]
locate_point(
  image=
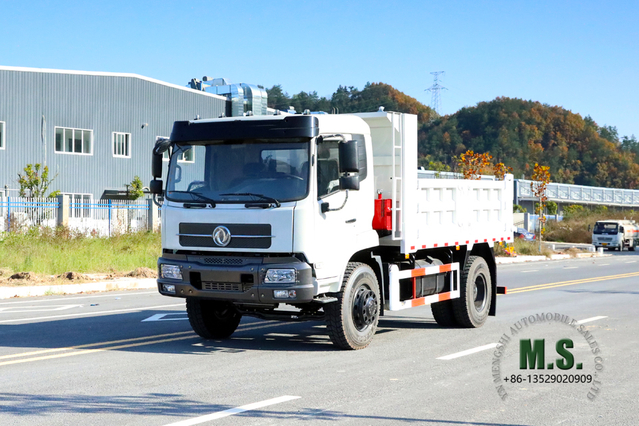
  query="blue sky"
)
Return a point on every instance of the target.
[{"x": 581, "y": 55}]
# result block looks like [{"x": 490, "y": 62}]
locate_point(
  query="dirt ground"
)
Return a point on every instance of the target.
[{"x": 26, "y": 279}]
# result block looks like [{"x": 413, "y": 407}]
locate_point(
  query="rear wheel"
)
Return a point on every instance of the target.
[
  {"x": 212, "y": 319},
  {"x": 443, "y": 313},
  {"x": 472, "y": 307},
  {"x": 352, "y": 320}
]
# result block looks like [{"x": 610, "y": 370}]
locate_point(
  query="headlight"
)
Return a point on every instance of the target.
[
  {"x": 173, "y": 272},
  {"x": 280, "y": 276}
]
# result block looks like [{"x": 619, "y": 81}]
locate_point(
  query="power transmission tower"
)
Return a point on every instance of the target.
[{"x": 435, "y": 102}]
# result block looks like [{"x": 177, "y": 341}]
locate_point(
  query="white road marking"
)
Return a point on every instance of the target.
[
  {"x": 23, "y": 309},
  {"x": 604, "y": 264},
  {"x": 571, "y": 267},
  {"x": 468, "y": 352},
  {"x": 534, "y": 270},
  {"x": 175, "y": 305},
  {"x": 178, "y": 316},
  {"x": 632, "y": 261},
  {"x": 233, "y": 411},
  {"x": 590, "y": 319},
  {"x": 72, "y": 298}
]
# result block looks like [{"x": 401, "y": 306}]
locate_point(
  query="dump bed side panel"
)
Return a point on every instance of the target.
[
  {"x": 430, "y": 213},
  {"x": 450, "y": 212}
]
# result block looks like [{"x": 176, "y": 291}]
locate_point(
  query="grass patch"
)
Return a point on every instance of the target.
[
  {"x": 574, "y": 228},
  {"x": 45, "y": 251},
  {"x": 523, "y": 248}
]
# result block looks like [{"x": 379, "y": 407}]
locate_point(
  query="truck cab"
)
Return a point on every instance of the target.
[
  {"x": 615, "y": 234},
  {"x": 324, "y": 214}
]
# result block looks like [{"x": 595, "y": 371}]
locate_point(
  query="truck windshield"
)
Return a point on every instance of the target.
[
  {"x": 605, "y": 228},
  {"x": 239, "y": 171}
]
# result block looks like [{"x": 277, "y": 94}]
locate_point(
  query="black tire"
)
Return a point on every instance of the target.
[
  {"x": 211, "y": 319},
  {"x": 472, "y": 307},
  {"x": 631, "y": 248},
  {"x": 352, "y": 320},
  {"x": 443, "y": 313}
]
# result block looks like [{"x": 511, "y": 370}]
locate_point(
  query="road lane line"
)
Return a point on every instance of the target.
[
  {"x": 93, "y": 313},
  {"x": 71, "y": 297},
  {"x": 603, "y": 264},
  {"x": 534, "y": 270},
  {"x": 233, "y": 411},
  {"x": 571, "y": 267},
  {"x": 632, "y": 261},
  {"x": 89, "y": 345},
  {"x": 139, "y": 341},
  {"x": 89, "y": 351},
  {"x": 573, "y": 282},
  {"x": 467, "y": 352},
  {"x": 590, "y": 319}
]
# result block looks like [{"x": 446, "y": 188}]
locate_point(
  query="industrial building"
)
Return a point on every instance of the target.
[{"x": 95, "y": 130}]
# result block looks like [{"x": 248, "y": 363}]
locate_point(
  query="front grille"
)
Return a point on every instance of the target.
[
  {"x": 255, "y": 236},
  {"x": 605, "y": 239},
  {"x": 221, "y": 286},
  {"x": 233, "y": 261}
]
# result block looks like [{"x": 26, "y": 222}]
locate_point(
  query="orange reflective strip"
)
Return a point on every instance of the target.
[
  {"x": 444, "y": 296},
  {"x": 446, "y": 268}
]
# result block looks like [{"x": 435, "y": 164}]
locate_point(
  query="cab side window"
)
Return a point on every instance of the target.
[{"x": 327, "y": 168}]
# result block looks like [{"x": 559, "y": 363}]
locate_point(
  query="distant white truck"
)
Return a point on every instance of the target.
[
  {"x": 325, "y": 214},
  {"x": 616, "y": 234}
]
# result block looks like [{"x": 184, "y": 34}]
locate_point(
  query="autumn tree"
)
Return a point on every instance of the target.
[
  {"x": 541, "y": 179},
  {"x": 472, "y": 164}
]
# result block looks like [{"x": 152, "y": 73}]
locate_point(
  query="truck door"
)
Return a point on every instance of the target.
[{"x": 335, "y": 229}]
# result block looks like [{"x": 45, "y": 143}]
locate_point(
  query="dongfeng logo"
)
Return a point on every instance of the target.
[{"x": 221, "y": 236}]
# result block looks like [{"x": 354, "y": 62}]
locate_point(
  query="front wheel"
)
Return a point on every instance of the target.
[
  {"x": 352, "y": 320},
  {"x": 472, "y": 307},
  {"x": 212, "y": 319}
]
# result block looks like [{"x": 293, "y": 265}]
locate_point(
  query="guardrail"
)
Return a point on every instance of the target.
[{"x": 578, "y": 194}]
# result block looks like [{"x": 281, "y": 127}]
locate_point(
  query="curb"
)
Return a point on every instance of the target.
[
  {"x": 46, "y": 290},
  {"x": 522, "y": 259}
]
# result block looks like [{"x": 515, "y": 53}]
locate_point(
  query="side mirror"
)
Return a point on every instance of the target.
[
  {"x": 161, "y": 146},
  {"x": 348, "y": 158},
  {"x": 156, "y": 165},
  {"x": 155, "y": 187},
  {"x": 349, "y": 182}
]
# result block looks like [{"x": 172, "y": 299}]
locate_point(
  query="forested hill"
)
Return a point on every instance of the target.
[{"x": 516, "y": 132}]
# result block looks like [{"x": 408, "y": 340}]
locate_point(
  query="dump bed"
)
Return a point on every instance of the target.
[{"x": 426, "y": 212}]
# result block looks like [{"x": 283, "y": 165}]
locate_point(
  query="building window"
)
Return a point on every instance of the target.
[
  {"x": 122, "y": 144},
  {"x": 187, "y": 156},
  {"x": 73, "y": 141},
  {"x": 2, "y": 132},
  {"x": 80, "y": 205}
]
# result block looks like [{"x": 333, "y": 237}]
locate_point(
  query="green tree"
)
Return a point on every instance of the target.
[
  {"x": 35, "y": 181},
  {"x": 134, "y": 189}
]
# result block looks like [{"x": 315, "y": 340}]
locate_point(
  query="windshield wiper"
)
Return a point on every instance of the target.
[
  {"x": 197, "y": 195},
  {"x": 251, "y": 194}
]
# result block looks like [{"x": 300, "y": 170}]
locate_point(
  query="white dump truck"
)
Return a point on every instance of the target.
[
  {"x": 322, "y": 217},
  {"x": 616, "y": 234}
]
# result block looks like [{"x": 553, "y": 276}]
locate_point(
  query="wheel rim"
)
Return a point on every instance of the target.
[
  {"x": 364, "y": 308},
  {"x": 480, "y": 292}
]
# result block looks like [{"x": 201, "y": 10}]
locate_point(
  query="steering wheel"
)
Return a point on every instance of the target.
[{"x": 197, "y": 184}]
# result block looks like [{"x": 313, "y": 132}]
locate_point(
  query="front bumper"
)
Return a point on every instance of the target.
[
  {"x": 607, "y": 244},
  {"x": 235, "y": 279}
]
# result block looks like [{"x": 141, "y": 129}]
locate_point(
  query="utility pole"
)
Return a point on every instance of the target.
[{"x": 435, "y": 102}]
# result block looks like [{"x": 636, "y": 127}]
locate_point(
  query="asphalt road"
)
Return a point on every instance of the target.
[{"x": 131, "y": 359}]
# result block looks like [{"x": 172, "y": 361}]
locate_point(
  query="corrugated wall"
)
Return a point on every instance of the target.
[{"x": 105, "y": 104}]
